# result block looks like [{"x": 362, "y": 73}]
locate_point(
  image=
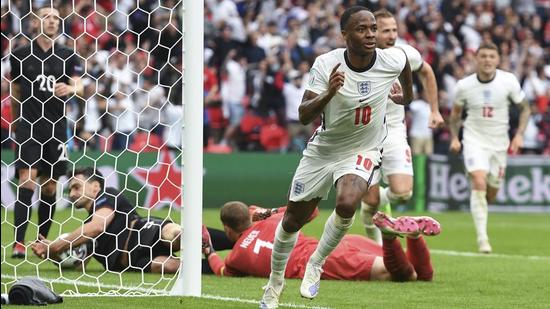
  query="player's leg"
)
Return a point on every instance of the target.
[
  {"x": 479, "y": 208},
  {"x": 400, "y": 188},
  {"x": 369, "y": 206},
  {"x": 311, "y": 182},
  {"x": 54, "y": 165},
  {"x": 419, "y": 256},
  {"x": 476, "y": 161},
  {"x": 46, "y": 208},
  {"x": 23, "y": 208},
  {"x": 395, "y": 259},
  {"x": 349, "y": 191},
  {"x": 286, "y": 235}
]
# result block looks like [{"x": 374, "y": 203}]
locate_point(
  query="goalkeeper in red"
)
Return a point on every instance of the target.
[{"x": 355, "y": 258}]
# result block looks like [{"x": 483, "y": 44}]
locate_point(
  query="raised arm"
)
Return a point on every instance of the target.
[
  {"x": 405, "y": 78},
  {"x": 427, "y": 78},
  {"x": 454, "y": 126},
  {"x": 517, "y": 141},
  {"x": 313, "y": 104}
]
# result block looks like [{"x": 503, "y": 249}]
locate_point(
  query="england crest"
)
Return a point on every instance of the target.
[{"x": 363, "y": 87}]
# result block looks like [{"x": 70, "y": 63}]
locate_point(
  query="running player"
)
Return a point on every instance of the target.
[
  {"x": 397, "y": 168},
  {"x": 355, "y": 258},
  {"x": 485, "y": 96},
  {"x": 348, "y": 88},
  {"x": 44, "y": 76}
]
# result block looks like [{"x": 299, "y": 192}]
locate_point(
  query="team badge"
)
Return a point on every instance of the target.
[
  {"x": 363, "y": 87},
  {"x": 299, "y": 187},
  {"x": 487, "y": 96}
]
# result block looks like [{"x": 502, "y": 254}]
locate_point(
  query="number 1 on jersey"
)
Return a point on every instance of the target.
[{"x": 362, "y": 115}]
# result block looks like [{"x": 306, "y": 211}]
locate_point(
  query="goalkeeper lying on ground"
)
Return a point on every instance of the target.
[
  {"x": 355, "y": 258},
  {"x": 142, "y": 244}
]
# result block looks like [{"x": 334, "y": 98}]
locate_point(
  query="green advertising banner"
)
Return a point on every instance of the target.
[
  {"x": 526, "y": 187},
  {"x": 152, "y": 179}
]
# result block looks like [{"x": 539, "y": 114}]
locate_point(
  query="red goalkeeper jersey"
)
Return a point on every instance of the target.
[{"x": 251, "y": 255}]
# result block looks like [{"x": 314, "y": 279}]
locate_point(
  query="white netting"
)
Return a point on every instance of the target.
[{"x": 126, "y": 123}]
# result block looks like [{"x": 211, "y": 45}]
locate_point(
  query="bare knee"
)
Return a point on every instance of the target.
[
  {"x": 27, "y": 178},
  {"x": 479, "y": 181},
  {"x": 292, "y": 223},
  {"x": 346, "y": 206},
  {"x": 372, "y": 197}
]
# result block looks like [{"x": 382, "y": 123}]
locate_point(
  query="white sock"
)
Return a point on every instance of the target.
[
  {"x": 384, "y": 198},
  {"x": 282, "y": 247},
  {"x": 478, "y": 208},
  {"x": 366, "y": 217},
  {"x": 335, "y": 228}
]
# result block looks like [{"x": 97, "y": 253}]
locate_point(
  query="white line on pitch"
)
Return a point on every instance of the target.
[
  {"x": 492, "y": 255},
  {"x": 155, "y": 292}
]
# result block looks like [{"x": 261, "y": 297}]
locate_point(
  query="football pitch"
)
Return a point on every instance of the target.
[{"x": 516, "y": 275}]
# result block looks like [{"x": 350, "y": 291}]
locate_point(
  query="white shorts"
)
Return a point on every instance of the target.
[
  {"x": 315, "y": 176},
  {"x": 396, "y": 156},
  {"x": 491, "y": 161}
]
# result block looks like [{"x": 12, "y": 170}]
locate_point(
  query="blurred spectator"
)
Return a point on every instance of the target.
[
  {"x": 148, "y": 102},
  {"x": 6, "y": 115},
  {"x": 293, "y": 92},
  {"x": 124, "y": 120},
  {"x": 420, "y": 134},
  {"x": 233, "y": 91},
  {"x": 125, "y": 42},
  {"x": 533, "y": 138}
]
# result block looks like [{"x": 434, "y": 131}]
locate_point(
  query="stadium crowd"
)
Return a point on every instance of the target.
[{"x": 257, "y": 58}]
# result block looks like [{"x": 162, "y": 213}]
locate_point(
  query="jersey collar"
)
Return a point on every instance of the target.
[{"x": 359, "y": 70}]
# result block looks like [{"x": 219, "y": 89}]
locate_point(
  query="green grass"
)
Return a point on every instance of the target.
[{"x": 516, "y": 275}]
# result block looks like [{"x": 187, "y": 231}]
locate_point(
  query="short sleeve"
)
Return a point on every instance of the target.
[
  {"x": 459, "y": 100},
  {"x": 73, "y": 66},
  {"x": 414, "y": 57},
  {"x": 397, "y": 58},
  {"x": 318, "y": 77},
  {"x": 516, "y": 93},
  {"x": 105, "y": 201}
]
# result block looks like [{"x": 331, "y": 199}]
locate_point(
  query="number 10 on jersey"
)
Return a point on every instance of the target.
[{"x": 362, "y": 115}]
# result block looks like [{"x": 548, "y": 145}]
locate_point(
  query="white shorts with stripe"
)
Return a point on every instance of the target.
[{"x": 316, "y": 175}]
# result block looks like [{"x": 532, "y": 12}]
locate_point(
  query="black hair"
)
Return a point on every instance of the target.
[
  {"x": 90, "y": 173},
  {"x": 347, "y": 14}
]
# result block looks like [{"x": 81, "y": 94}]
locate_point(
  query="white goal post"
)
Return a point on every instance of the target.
[
  {"x": 193, "y": 38},
  {"x": 136, "y": 78}
]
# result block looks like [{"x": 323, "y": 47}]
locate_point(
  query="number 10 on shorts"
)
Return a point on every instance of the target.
[{"x": 366, "y": 163}]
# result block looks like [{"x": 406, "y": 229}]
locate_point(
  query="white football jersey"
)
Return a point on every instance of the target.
[
  {"x": 395, "y": 114},
  {"x": 354, "y": 120},
  {"x": 486, "y": 105}
]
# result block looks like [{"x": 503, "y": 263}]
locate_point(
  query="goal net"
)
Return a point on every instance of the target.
[{"x": 126, "y": 122}]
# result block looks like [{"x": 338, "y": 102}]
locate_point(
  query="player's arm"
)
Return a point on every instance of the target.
[
  {"x": 214, "y": 260},
  {"x": 405, "y": 78},
  {"x": 313, "y": 104},
  {"x": 517, "y": 141},
  {"x": 454, "y": 127},
  {"x": 15, "y": 103},
  {"x": 427, "y": 78},
  {"x": 75, "y": 86},
  {"x": 100, "y": 220}
]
